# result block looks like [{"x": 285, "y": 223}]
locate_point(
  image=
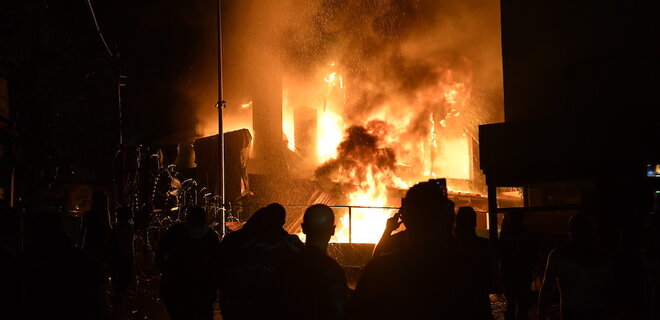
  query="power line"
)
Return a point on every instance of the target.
[{"x": 96, "y": 24}]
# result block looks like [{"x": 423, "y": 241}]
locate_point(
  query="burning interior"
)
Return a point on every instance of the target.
[{"x": 360, "y": 99}]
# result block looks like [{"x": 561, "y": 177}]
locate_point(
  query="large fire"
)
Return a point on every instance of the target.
[
  {"x": 376, "y": 95},
  {"x": 385, "y": 150}
]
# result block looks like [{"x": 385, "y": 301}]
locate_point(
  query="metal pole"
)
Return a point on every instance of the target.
[
  {"x": 492, "y": 212},
  {"x": 221, "y": 136},
  {"x": 350, "y": 224},
  {"x": 120, "y": 83},
  {"x": 492, "y": 229},
  {"x": 11, "y": 187}
]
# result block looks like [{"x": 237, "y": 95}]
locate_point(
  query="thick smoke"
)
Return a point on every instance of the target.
[
  {"x": 361, "y": 153},
  {"x": 430, "y": 68},
  {"x": 391, "y": 50},
  {"x": 388, "y": 50}
]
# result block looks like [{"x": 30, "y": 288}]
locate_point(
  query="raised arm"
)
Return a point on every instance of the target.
[{"x": 384, "y": 244}]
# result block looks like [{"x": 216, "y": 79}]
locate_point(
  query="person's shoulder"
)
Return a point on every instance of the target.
[
  {"x": 319, "y": 255},
  {"x": 557, "y": 253},
  {"x": 177, "y": 225},
  {"x": 176, "y": 229},
  {"x": 400, "y": 236},
  {"x": 319, "y": 259},
  {"x": 483, "y": 241},
  {"x": 233, "y": 236},
  {"x": 212, "y": 236},
  {"x": 334, "y": 266},
  {"x": 387, "y": 261},
  {"x": 293, "y": 242}
]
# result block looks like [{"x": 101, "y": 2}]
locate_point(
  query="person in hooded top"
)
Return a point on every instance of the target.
[
  {"x": 186, "y": 257},
  {"x": 251, "y": 266}
]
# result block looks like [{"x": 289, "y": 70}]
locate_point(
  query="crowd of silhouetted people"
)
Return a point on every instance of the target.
[{"x": 437, "y": 267}]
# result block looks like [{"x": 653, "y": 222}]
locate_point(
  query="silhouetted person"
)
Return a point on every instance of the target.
[
  {"x": 96, "y": 227},
  {"x": 391, "y": 243},
  {"x": 519, "y": 255},
  {"x": 251, "y": 266},
  {"x": 121, "y": 256},
  {"x": 581, "y": 271},
  {"x": 186, "y": 256},
  {"x": 59, "y": 281},
  {"x": 316, "y": 282},
  {"x": 425, "y": 280},
  {"x": 651, "y": 257},
  {"x": 9, "y": 267},
  {"x": 476, "y": 252}
]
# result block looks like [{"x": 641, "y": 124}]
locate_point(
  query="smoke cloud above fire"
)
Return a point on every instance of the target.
[{"x": 390, "y": 51}]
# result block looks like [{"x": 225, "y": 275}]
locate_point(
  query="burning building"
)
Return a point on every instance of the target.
[{"x": 358, "y": 101}]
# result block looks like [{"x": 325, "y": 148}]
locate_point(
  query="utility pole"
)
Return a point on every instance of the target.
[{"x": 221, "y": 137}]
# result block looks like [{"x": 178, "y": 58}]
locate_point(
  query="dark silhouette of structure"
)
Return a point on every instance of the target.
[
  {"x": 187, "y": 256},
  {"x": 316, "y": 284}
]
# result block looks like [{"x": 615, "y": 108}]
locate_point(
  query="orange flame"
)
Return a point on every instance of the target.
[{"x": 445, "y": 152}]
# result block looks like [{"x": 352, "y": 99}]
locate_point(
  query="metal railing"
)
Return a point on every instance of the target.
[{"x": 350, "y": 209}]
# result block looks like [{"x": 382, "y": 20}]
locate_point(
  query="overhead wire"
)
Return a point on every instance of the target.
[{"x": 96, "y": 24}]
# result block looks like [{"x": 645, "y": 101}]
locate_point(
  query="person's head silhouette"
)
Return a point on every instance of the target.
[
  {"x": 196, "y": 222},
  {"x": 466, "y": 222},
  {"x": 255, "y": 222},
  {"x": 318, "y": 225},
  {"x": 99, "y": 200},
  {"x": 274, "y": 217},
  {"x": 267, "y": 219},
  {"x": 580, "y": 228},
  {"x": 513, "y": 223},
  {"x": 427, "y": 213},
  {"x": 196, "y": 217},
  {"x": 123, "y": 214}
]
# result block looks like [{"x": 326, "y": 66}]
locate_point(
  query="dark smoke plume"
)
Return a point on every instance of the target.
[{"x": 360, "y": 150}]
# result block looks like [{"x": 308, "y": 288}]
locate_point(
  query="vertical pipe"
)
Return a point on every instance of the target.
[
  {"x": 350, "y": 224},
  {"x": 526, "y": 202},
  {"x": 492, "y": 231},
  {"x": 221, "y": 136},
  {"x": 120, "y": 83},
  {"x": 11, "y": 187},
  {"x": 492, "y": 212}
]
